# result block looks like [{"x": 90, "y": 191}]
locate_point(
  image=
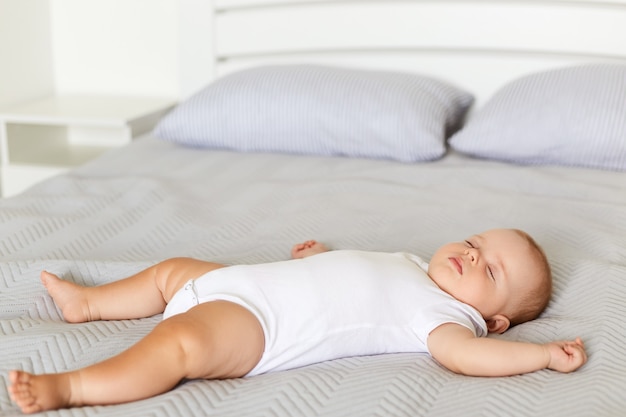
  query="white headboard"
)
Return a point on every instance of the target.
[{"x": 479, "y": 45}]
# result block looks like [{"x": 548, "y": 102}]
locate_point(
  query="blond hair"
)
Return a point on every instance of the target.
[{"x": 535, "y": 301}]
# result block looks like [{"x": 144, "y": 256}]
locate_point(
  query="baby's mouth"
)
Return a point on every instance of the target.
[{"x": 456, "y": 262}]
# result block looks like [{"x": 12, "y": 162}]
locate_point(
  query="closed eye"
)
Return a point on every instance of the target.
[
  {"x": 490, "y": 271},
  {"x": 468, "y": 243}
]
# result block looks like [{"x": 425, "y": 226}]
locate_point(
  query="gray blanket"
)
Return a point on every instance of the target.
[{"x": 151, "y": 200}]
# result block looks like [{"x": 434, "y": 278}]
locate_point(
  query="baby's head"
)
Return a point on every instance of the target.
[{"x": 503, "y": 273}]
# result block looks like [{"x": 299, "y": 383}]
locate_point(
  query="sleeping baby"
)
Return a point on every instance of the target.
[{"x": 243, "y": 320}]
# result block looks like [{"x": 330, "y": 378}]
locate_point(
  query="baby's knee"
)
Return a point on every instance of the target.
[
  {"x": 183, "y": 330},
  {"x": 188, "y": 341}
]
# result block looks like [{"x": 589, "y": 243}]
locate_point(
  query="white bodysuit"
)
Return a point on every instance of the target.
[{"x": 332, "y": 305}]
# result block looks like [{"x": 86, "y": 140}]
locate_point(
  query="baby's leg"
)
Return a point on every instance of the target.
[
  {"x": 141, "y": 295},
  {"x": 213, "y": 340}
]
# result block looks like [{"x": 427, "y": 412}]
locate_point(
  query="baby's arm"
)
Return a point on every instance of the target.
[
  {"x": 308, "y": 248},
  {"x": 456, "y": 348}
]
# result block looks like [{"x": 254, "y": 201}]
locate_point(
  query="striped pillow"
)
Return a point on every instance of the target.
[
  {"x": 318, "y": 110},
  {"x": 572, "y": 116}
]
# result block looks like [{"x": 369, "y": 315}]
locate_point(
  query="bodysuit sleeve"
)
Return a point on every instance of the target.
[{"x": 454, "y": 311}]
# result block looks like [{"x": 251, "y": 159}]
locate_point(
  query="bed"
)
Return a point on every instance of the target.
[{"x": 529, "y": 131}]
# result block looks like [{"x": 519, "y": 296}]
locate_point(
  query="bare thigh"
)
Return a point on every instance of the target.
[
  {"x": 171, "y": 275},
  {"x": 223, "y": 340}
]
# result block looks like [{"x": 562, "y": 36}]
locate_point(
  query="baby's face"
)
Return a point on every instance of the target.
[{"x": 487, "y": 271}]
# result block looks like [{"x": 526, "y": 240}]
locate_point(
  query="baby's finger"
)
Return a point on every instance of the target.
[
  {"x": 570, "y": 347},
  {"x": 577, "y": 352},
  {"x": 297, "y": 248}
]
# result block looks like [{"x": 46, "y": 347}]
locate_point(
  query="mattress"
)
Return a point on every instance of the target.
[{"x": 152, "y": 200}]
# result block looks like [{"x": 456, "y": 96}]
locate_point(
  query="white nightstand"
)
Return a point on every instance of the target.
[{"x": 44, "y": 137}]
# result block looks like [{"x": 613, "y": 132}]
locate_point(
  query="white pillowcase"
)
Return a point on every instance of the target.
[
  {"x": 318, "y": 110},
  {"x": 572, "y": 116}
]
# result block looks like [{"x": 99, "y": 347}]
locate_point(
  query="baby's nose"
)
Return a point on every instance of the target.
[{"x": 472, "y": 255}]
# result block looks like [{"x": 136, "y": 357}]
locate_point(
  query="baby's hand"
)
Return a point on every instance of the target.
[
  {"x": 308, "y": 248},
  {"x": 567, "y": 355}
]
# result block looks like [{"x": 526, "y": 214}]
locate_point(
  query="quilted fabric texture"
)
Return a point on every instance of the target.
[
  {"x": 317, "y": 110},
  {"x": 96, "y": 225}
]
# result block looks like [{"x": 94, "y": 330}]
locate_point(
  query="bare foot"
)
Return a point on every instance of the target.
[
  {"x": 36, "y": 393},
  {"x": 69, "y": 297},
  {"x": 308, "y": 248}
]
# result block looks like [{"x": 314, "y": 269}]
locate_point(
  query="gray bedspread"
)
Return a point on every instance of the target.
[{"x": 151, "y": 200}]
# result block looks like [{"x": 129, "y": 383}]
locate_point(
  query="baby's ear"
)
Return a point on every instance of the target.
[{"x": 498, "y": 324}]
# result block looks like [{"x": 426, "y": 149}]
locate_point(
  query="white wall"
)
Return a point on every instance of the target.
[
  {"x": 26, "y": 69},
  {"x": 195, "y": 45},
  {"x": 119, "y": 47}
]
